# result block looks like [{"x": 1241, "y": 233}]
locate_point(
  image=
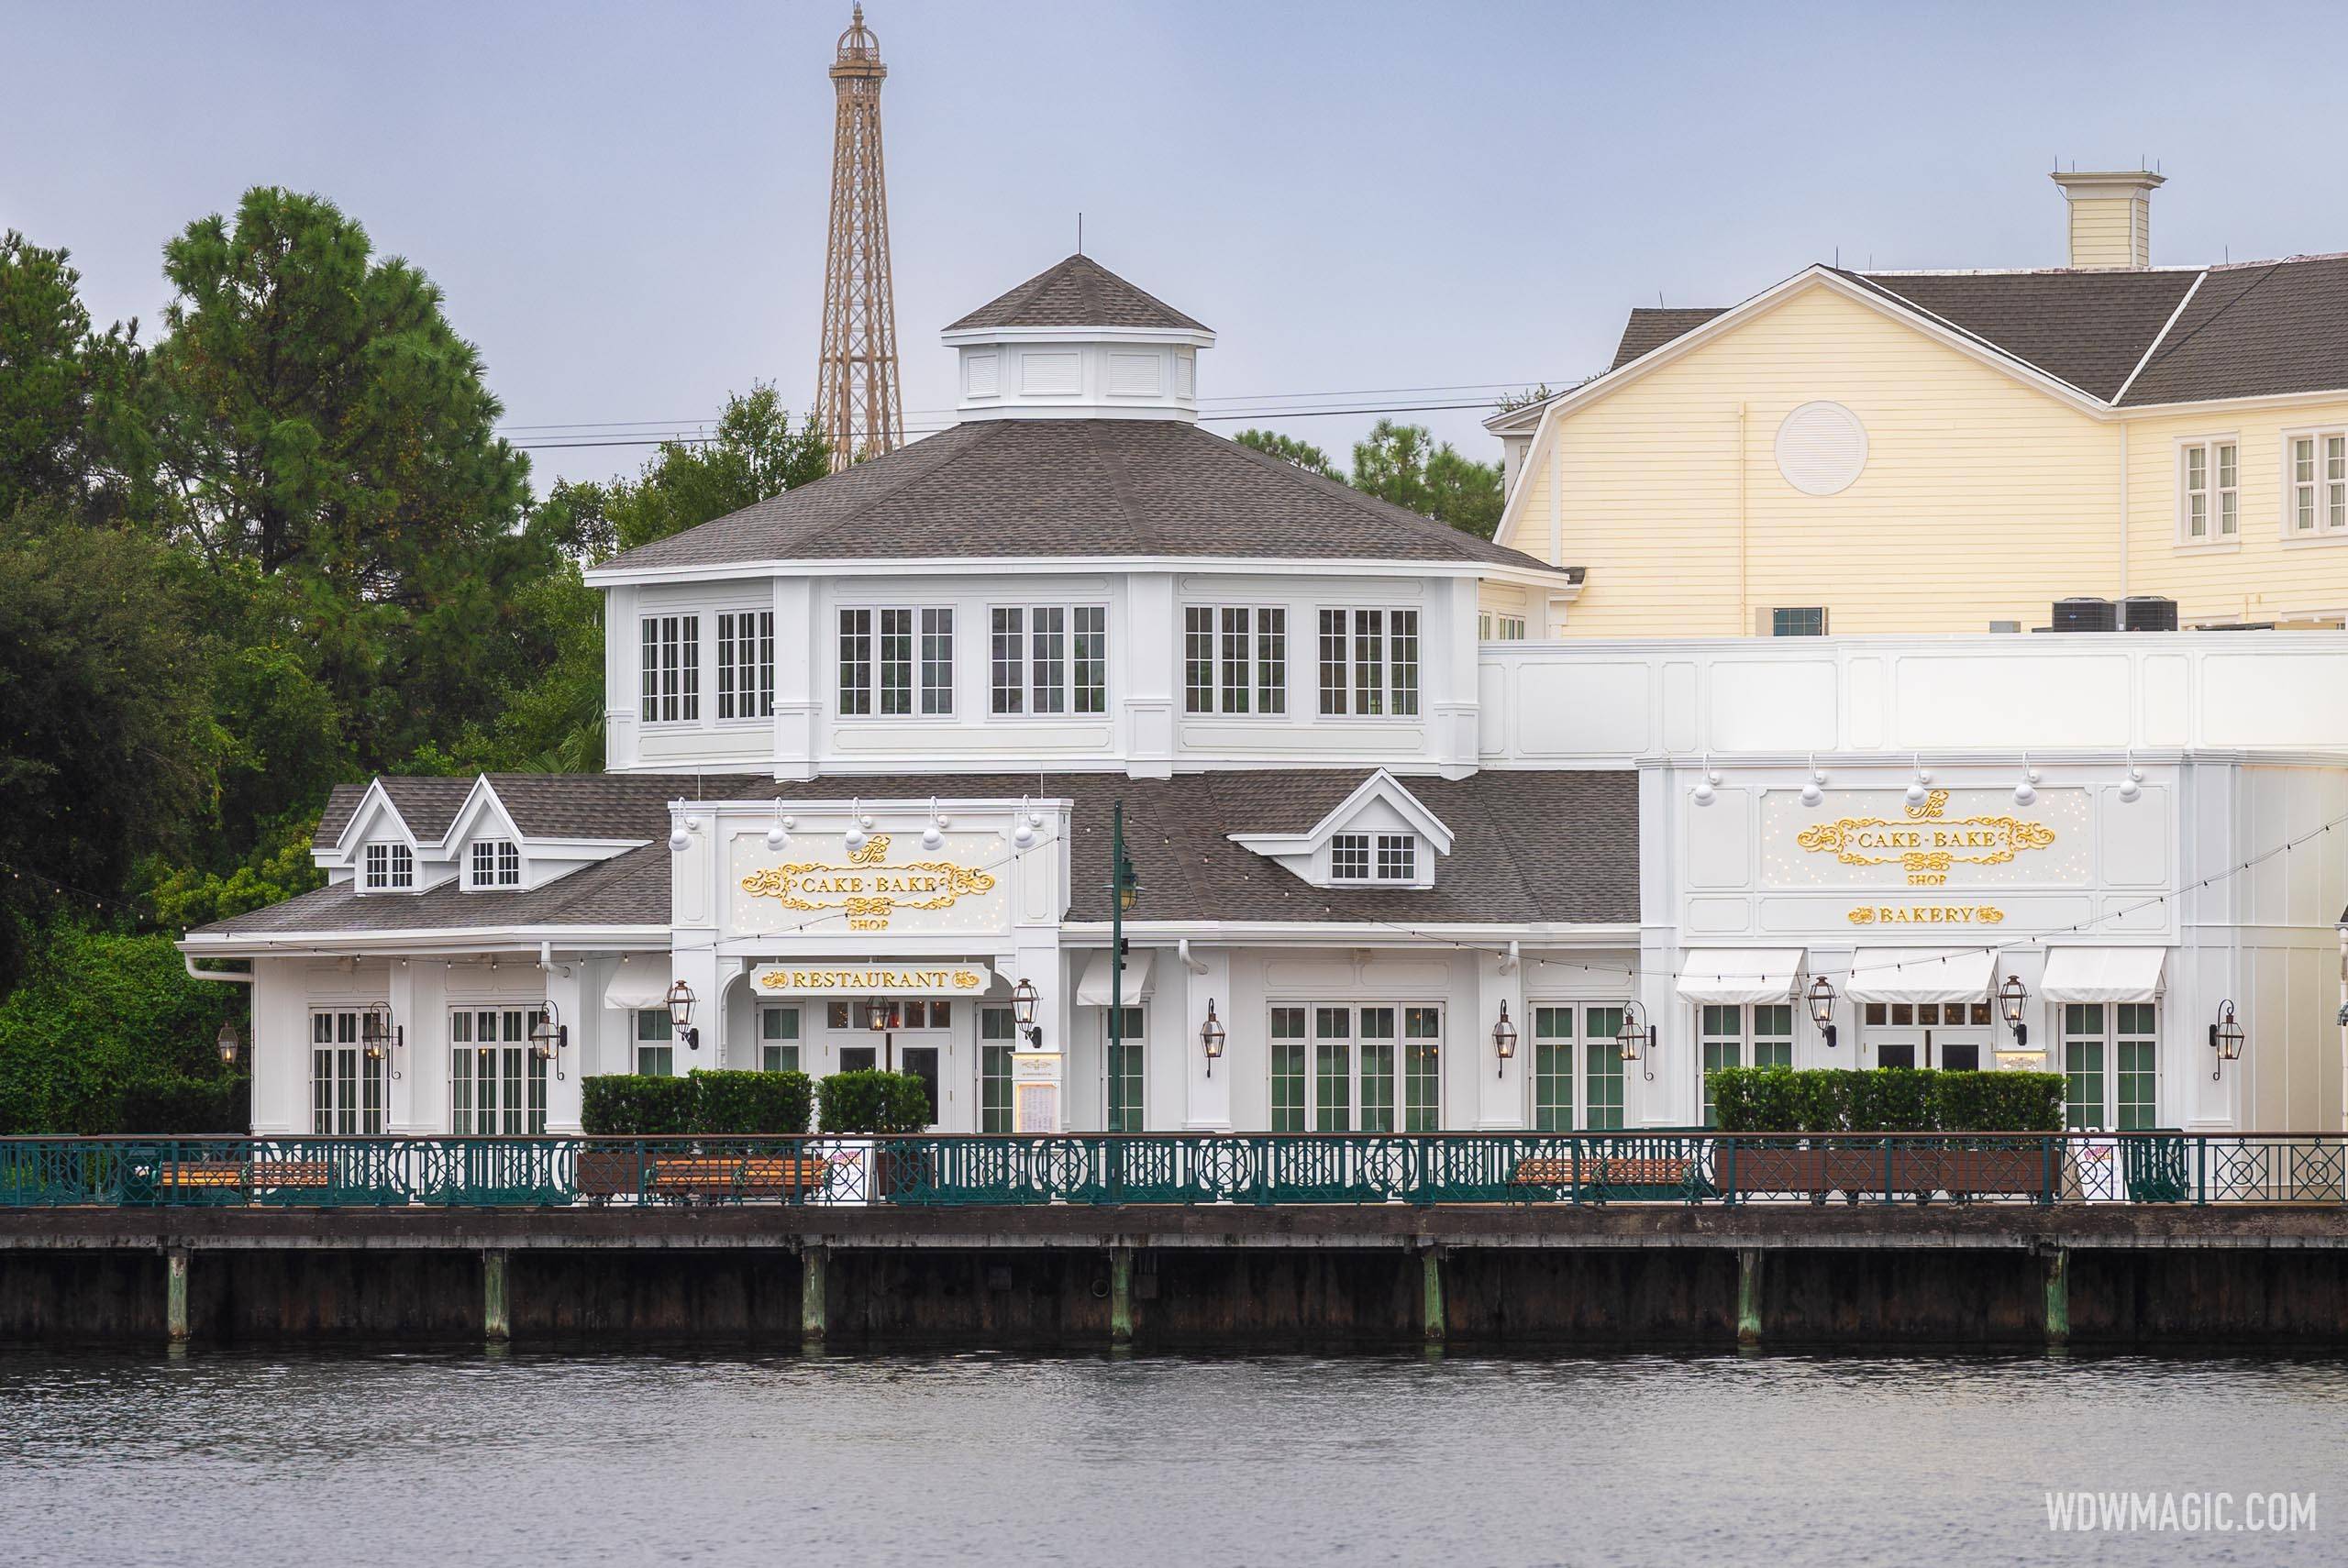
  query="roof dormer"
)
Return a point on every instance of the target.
[
  {"x": 1381, "y": 835},
  {"x": 1076, "y": 341}
]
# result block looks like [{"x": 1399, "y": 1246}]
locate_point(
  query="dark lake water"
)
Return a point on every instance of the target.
[{"x": 251, "y": 1458}]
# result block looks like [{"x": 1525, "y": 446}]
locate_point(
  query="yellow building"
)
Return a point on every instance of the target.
[{"x": 1926, "y": 452}]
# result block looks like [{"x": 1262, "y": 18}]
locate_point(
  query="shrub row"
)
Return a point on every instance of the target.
[
  {"x": 875, "y": 1102},
  {"x": 702, "y": 1102},
  {"x": 1884, "y": 1099}
]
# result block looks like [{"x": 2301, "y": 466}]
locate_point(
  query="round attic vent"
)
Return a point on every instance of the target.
[{"x": 1821, "y": 447}]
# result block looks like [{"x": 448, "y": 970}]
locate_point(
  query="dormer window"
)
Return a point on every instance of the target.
[
  {"x": 390, "y": 867},
  {"x": 495, "y": 863},
  {"x": 1374, "y": 858}
]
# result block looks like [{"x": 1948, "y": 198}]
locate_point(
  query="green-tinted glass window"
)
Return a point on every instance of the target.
[
  {"x": 2083, "y": 1065},
  {"x": 1377, "y": 1031},
  {"x": 1602, "y": 1068},
  {"x": 1126, "y": 1113},
  {"x": 1332, "y": 1064},
  {"x": 2134, "y": 1047},
  {"x": 779, "y": 1038},
  {"x": 1421, "y": 1069},
  {"x": 996, "y": 1037},
  {"x": 1552, "y": 1068},
  {"x": 1288, "y": 1069},
  {"x": 656, "y": 1052},
  {"x": 1773, "y": 1034},
  {"x": 1722, "y": 1033}
]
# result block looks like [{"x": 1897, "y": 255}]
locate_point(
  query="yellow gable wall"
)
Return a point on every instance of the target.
[
  {"x": 1983, "y": 499},
  {"x": 1980, "y": 494}
]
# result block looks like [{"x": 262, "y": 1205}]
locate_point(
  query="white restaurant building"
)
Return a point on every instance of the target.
[{"x": 866, "y": 738}]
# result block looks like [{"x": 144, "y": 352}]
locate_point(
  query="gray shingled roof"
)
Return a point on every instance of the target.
[
  {"x": 1078, "y": 292},
  {"x": 1177, "y": 832},
  {"x": 2252, "y": 329},
  {"x": 543, "y": 805},
  {"x": 1021, "y": 488}
]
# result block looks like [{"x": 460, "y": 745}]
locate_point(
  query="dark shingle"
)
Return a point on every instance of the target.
[
  {"x": 2253, "y": 331},
  {"x": 1016, "y": 488},
  {"x": 2086, "y": 328},
  {"x": 1078, "y": 292},
  {"x": 1650, "y": 328}
]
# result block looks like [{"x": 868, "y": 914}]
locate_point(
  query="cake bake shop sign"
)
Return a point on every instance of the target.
[
  {"x": 1924, "y": 841},
  {"x": 869, "y": 890}
]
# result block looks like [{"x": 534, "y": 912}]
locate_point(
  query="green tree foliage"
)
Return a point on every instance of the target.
[
  {"x": 755, "y": 453},
  {"x": 279, "y": 868},
  {"x": 1405, "y": 465},
  {"x": 65, "y": 391},
  {"x": 98, "y": 1015},
  {"x": 1288, "y": 449},
  {"x": 107, "y": 745}
]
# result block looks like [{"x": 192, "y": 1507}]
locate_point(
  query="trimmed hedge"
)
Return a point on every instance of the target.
[
  {"x": 874, "y": 1102},
  {"x": 743, "y": 1104},
  {"x": 1884, "y": 1099},
  {"x": 635, "y": 1105}
]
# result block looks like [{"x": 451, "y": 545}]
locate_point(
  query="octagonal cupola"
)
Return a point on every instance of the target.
[{"x": 1076, "y": 341}]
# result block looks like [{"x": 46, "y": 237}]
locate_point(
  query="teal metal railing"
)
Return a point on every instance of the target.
[{"x": 1256, "y": 1169}]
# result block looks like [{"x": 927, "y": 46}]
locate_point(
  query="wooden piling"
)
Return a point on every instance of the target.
[
  {"x": 175, "y": 1294},
  {"x": 496, "y": 1324},
  {"x": 1748, "y": 1295}
]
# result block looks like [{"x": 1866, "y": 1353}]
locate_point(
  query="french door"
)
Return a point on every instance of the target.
[
  {"x": 497, "y": 1085},
  {"x": 345, "y": 1084},
  {"x": 1341, "y": 1068}
]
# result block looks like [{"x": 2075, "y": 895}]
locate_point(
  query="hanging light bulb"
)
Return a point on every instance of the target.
[
  {"x": 679, "y": 840},
  {"x": 1919, "y": 788},
  {"x": 2026, "y": 792},
  {"x": 779, "y": 835},
  {"x": 2131, "y": 789},
  {"x": 857, "y": 822},
  {"x": 1707, "y": 789},
  {"x": 1023, "y": 831},
  {"x": 1813, "y": 788},
  {"x": 934, "y": 835}
]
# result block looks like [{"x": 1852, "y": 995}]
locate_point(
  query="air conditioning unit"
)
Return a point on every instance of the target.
[
  {"x": 2085, "y": 616},
  {"x": 2147, "y": 613}
]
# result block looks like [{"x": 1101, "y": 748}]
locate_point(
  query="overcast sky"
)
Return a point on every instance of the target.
[{"x": 626, "y": 206}]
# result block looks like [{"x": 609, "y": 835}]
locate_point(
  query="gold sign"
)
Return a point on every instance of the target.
[
  {"x": 873, "y": 979},
  {"x": 1924, "y": 842},
  {"x": 1927, "y": 914},
  {"x": 868, "y": 889}
]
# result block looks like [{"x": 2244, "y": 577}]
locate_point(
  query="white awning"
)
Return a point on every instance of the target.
[
  {"x": 1733, "y": 975},
  {"x": 638, "y": 983},
  {"x": 2102, "y": 973},
  {"x": 1905, "y": 975},
  {"x": 1093, "y": 989}
]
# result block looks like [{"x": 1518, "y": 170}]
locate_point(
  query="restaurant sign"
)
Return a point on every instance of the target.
[{"x": 873, "y": 979}]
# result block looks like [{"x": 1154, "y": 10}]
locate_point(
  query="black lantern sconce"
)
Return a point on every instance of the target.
[
  {"x": 2012, "y": 995},
  {"x": 2225, "y": 1039},
  {"x": 1503, "y": 1042},
  {"x": 1635, "y": 1041},
  {"x": 1821, "y": 997},
  {"x": 231, "y": 1044},
  {"x": 1211, "y": 1037},
  {"x": 681, "y": 1015},
  {"x": 548, "y": 1035},
  {"x": 1023, "y": 998},
  {"x": 379, "y": 1036},
  {"x": 877, "y": 1017}
]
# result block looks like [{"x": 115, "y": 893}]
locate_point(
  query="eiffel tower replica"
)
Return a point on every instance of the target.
[{"x": 857, "y": 403}]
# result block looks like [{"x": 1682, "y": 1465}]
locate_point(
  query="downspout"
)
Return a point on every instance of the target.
[
  {"x": 2124, "y": 516},
  {"x": 1515, "y": 959},
  {"x": 1745, "y": 623},
  {"x": 237, "y": 976},
  {"x": 1183, "y": 951}
]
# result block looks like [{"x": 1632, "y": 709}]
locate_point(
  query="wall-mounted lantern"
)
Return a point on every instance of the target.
[
  {"x": 2225, "y": 1039},
  {"x": 1211, "y": 1036},
  {"x": 1821, "y": 997},
  {"x": 379, "y": 1035},
  {"x": 548, "y": 1035},
  {"x": 681, "y": 1015},
  {"x": 1503, "y": 1040},
  {"x": 2011, "y": 998},
  {"x": 231, "y": 1044},
  {"x": 1635, "y": 1041},
  {"x": 1023, "y": 998}
]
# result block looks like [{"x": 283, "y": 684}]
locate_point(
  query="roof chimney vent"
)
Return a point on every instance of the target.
[{"x": 2111, "y": 216}]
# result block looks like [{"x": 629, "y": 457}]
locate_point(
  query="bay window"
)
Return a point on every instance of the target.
[
  {"x": 670, "y": 671},
  {"x": 1369, "y": 663},
  {"x": 1049, "y": 659},
  {"x": 885, "y": 669},
  {"x": 1235, "y": 659},
  {"x": 745, "y": 665}
]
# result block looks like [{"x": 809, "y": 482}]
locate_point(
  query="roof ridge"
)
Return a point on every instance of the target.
[
  {"x": 882, "y": 490},
  {"x": 1105, "y": 452}
]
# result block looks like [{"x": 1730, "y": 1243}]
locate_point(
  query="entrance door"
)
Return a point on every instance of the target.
[
  {"x": 1952, "y": 1035},
  {"x": 920, "y": 1061}
]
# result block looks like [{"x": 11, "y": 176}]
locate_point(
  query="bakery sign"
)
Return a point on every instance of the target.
[
  {"x": 873, "y": 888},
  {"x": 1977, "y": 838}
]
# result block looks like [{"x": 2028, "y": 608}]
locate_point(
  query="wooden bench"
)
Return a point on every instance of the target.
[
  {"x": 246, "y": 1175},
  {"x": 1669, "y": 1171},
  {"x": 736, "y": 1175}
]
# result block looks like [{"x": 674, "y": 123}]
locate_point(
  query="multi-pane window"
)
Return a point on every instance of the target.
[
  {"x": 779, "y": 1038},
  {"x": 1801, "y": 622},
  {"x": 884, "y": 671},
  {"x": 1569, "y": 1040},
  {"x": 1349, "y": 857},
  {"x": 1398, "y": 856},
  {"x": 1235, "y": 659},
  {"x": 655, "y": 1048},
  {"x": 671, "y": 669},
  {"x": 2083, "y": 1066},
  {"x": 1369, "y": 662},
  {"x": 497, "y": 1085},
  {"x": 345, "y": 1084},
  {"x": 2135, "y": 1046},
  {"x": 899, "y": 1015},
  {"x": 1720, "y": 1033},
  {"x": 745, "y": 665},
  {"x": 1773, "y": 1034},
  {"x": 1490, "y": 627},
  {"x": 1124, "y": 1058},
  {"x": 1050, "y": 659},
  {"x": 2315, "y": 491},
  {"x": 1394, "y": 859},
  {"x": 2110, "y": 1065},
  {"x": 390, "y": 865},
  {"x": 495, "y": 863},
  {"x": 998, "y": 1038},
  {"x": 1358, "y": 1067},
  {"x": 2211, "y": 484}
]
